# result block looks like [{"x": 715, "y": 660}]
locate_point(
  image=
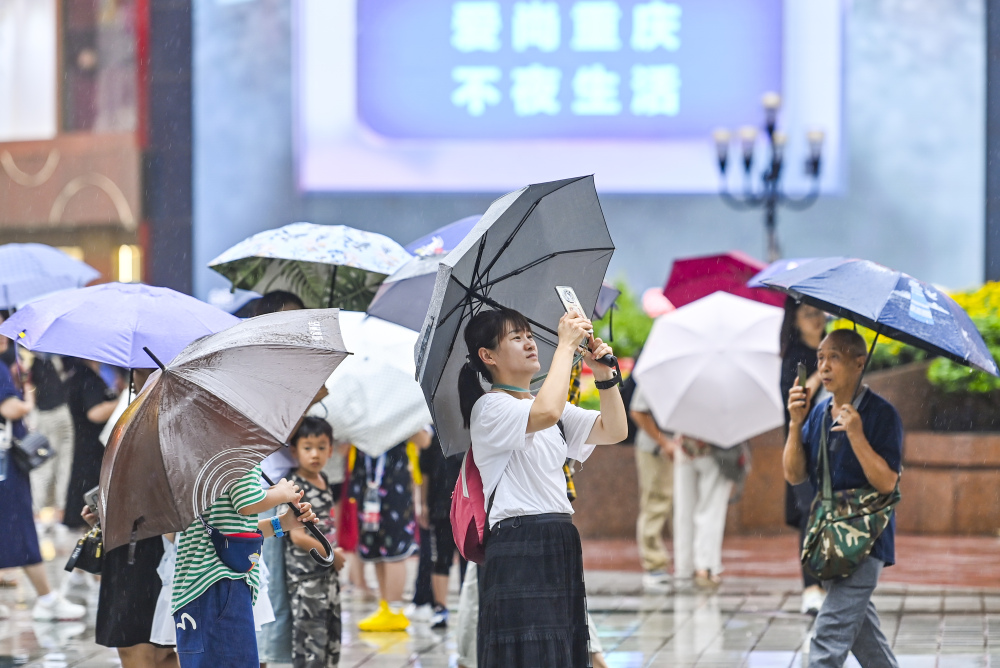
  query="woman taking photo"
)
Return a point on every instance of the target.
[
  {"x": 533, "y": 602},
  {"x": 803, "y": 328}
]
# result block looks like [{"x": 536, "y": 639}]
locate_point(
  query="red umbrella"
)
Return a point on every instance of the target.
[{"x": 696, "y": 277}]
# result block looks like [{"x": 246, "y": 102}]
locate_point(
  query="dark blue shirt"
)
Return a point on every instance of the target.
[{"x": 884, "y": 432}]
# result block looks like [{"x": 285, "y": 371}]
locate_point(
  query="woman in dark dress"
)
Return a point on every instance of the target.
[
  {"x": 91, "y": 403},
  {"x": 801, "y": 332},
  {"x": 130, "y": 586},
  {"x": 19, "y": 546}
]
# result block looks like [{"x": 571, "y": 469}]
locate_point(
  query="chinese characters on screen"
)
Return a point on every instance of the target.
[{"x": 593, "y": 26}]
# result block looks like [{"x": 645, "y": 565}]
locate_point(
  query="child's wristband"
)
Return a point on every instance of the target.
[{"x": 276, "y": 525}]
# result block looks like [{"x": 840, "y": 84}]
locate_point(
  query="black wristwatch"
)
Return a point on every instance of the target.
[{"x": 610, "y": 382}]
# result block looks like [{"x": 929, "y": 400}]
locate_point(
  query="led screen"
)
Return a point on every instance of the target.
[{"x": 459, "y": 95}]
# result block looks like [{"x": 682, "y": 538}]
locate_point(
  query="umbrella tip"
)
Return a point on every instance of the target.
[{"x": 154, "y": 358}]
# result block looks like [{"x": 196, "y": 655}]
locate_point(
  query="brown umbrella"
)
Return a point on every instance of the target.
[{"x": 221, "y": 406}]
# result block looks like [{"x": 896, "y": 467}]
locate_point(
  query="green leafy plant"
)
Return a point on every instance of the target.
[
  {"x": 627, "y": 321},
  {"x": 953, "y": 378}
]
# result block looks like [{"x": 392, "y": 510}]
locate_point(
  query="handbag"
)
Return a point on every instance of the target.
[
  {"x": 844, "y": 525},
  {"x": 30, "y": 452},
  {"x": 88, "y": 555}
]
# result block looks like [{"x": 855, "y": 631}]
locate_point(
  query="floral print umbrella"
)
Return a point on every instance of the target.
[{"x": 325, "y": 265}]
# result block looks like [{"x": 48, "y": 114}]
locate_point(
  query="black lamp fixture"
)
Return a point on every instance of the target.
[{"x": 770, "y": 195}]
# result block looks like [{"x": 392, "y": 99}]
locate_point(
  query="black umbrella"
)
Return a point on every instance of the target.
[{"x": 528, "y": 242}]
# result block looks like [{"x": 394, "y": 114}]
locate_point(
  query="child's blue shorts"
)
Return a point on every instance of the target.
[{"x": 216, "y": 629}]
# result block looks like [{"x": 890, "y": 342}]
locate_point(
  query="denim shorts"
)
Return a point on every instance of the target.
[{"x": 216, "y": 629}]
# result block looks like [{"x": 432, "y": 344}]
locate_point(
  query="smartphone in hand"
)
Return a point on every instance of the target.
[{"x": 803, "y": 374}]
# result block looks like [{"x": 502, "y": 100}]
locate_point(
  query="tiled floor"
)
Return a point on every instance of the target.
[{"x": 750, "y": 621}]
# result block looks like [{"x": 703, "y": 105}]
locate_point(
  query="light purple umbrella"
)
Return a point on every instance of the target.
[
  {"x": 28, "y": 271},
  {"x": 111, "y": 323}
]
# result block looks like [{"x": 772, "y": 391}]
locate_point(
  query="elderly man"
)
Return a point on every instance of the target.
[{"x": 865, "y": 441}]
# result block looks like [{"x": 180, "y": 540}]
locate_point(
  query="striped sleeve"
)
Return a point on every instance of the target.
[{"x": 247, "y": 490}]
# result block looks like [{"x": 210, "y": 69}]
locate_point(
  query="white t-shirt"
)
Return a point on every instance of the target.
[{"x": 525, "y": 469}]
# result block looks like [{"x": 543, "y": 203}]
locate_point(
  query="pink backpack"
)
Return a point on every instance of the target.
[{"x": 469, "y": 513}]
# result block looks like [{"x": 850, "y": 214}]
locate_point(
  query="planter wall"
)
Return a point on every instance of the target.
[{"x": 950, "y": 485}]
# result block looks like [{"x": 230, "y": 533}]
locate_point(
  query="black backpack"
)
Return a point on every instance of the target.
[{"x": 627, "y": 391}]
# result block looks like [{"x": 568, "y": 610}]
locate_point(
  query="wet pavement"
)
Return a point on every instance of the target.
[{"x": 751, "y": 620}]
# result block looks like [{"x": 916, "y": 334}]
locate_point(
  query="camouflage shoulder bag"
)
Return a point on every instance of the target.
[{"x": 843, "y": 525}]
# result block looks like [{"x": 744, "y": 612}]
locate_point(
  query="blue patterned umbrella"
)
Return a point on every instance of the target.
[
  {"x": 28, "y": 271},
  {"x": 890, "y": 303},
  {"x": 325, "y": 265}
]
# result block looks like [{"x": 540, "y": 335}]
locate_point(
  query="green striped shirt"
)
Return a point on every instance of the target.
[{"x": 198, "y": 566}]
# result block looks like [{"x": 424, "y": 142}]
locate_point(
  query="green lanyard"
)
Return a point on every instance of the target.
[{"x": 509, "y": 388}]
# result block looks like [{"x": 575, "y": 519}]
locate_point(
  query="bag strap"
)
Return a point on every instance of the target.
[{"x": 824, "y": 464}]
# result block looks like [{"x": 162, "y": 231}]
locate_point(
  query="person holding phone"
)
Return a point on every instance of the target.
[
  {"x": 801, "y": 332},
  {"x": 532, "y": 609}
]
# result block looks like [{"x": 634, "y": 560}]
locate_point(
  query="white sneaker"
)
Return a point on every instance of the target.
[
  {"x": 419, "y": 613},
  {"x": 77, "y": 588},
  {"x": 656, "y": 581},
  {"x": 4, "y": 611},
  {"x": 54, "y": 608},
  {"x": 812, "y": 601}
]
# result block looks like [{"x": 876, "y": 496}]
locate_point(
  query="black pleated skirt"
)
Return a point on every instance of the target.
[
  {"x": 128, "y": 594},
  {"x": 532, "y": 597}
]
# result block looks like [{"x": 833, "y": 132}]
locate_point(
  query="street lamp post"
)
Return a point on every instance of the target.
[{"x": 770, "y": 195}]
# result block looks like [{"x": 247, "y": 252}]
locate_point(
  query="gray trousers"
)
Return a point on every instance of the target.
[
  {"x": 49, "y": 481},
  {"x": 848, "y": 622}
]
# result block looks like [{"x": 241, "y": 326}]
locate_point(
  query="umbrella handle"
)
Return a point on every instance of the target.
[{"x": 317, "y": 534}]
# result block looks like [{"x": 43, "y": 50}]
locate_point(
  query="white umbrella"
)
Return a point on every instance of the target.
[
  {"x": 374, "y": 401},
  {"x": 711, "y": 370}
]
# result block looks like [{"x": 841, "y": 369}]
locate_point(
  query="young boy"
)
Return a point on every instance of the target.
[
  {"x": 212, "y": 605},
  {"x": 314, "y": 590}
]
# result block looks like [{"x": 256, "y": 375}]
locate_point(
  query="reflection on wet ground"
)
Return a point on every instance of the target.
[{"x": 749, "y": 621}]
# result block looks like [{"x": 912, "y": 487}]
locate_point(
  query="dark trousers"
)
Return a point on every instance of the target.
[{"x": 423, "y": 594}]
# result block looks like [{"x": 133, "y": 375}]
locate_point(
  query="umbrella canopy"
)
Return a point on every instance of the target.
[
  {"x": 890, "y": 303},
  {"x": 404, "y": 297},
  {"x": 528, "y": 242},
  {"x": 112, "y": 322},
  {"x": 711, "y": 369},
  {"x": 28, "y": 271},
  {"x": 223, "y": 404},
  {"x": 374, "y": 401},
  {"x": 776, "y": 267},
  {"x": 325, "y": 265},
  {"x": 696, "y": 277}
]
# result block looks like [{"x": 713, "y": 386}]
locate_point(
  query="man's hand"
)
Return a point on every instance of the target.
[
  {"x": 849, "y": 421},
  {"x": 798, "y": 406},
  {"x": 668, "y": 445}
]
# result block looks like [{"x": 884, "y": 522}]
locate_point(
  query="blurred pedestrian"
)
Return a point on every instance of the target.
[
  {"x": 91, "y": 403},
  {"x": 383, "y": 489},
  {"x": 701, "y": 499},
  {"x": 864, "y": 438},
  {"x": 533, "y": 576},
  {"x": 314, "y": 589},
  {"x": 129, "y": 588},
  {"x": 440, "y": 474},
  {"x": 654, "y": 460},
  {"x": 52, "y": 419},
  {"x": 19, "y": 546},
  {"x": 802, "y": 330}
]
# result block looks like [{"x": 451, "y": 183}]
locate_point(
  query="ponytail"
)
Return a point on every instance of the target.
[
  {"x": 484, "y": 330},
  {"x": 469, "y": 389}
]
